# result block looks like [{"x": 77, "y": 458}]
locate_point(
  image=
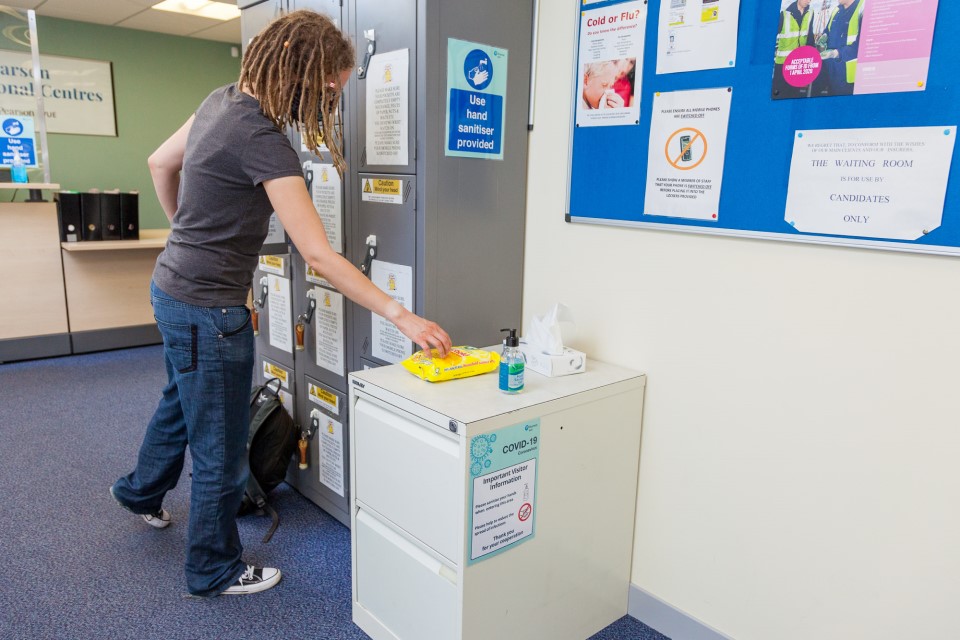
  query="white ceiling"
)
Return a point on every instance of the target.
[{"x": 133, "y": 14}]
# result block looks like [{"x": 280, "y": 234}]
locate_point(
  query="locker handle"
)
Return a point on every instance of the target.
[
  {"x": 371, "y": 254},
  {"x": 264, "y": 290},
  {"x": 371, "y": 36}
]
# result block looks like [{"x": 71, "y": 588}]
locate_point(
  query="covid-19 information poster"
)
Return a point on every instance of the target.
[{"x": 503, "y": 489}]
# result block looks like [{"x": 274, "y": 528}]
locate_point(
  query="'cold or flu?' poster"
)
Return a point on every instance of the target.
[{"x": 503, "y": 489}]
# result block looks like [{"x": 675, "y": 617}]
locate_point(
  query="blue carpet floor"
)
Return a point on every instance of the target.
[{"x": 76, "y": 566}]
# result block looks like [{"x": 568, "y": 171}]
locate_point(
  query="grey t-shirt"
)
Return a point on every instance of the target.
[{"x": 222, "y": 209}]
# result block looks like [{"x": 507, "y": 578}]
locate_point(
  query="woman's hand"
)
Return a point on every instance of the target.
[{"x": 425, "y": 333}]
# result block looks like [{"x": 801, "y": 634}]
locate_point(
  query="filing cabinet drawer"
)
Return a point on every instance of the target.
[
  {"x": 411, "y": 593},
  {"x": 406, "y": 471}
]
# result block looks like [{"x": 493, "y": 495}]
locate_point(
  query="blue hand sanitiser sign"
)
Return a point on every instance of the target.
[
  {"x": 17, "y": 136},
  {"x": 476, "y": 93}
]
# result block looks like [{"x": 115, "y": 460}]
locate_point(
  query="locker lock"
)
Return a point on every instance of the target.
[
  {"x": 304, "y": 319},
  {"x": 264, "y": 290},
  {"x": 371, "y": 254},
  {"x": 371, "y": 36}
]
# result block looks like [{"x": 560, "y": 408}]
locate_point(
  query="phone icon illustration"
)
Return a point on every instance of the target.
[{"x": 685, "y": 148}]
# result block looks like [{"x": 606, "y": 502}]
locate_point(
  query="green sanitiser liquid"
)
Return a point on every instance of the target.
[{"x": 512, "y": 364}]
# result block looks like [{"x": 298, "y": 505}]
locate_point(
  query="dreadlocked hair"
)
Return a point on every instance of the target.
[{"x": 293, "y": 68}]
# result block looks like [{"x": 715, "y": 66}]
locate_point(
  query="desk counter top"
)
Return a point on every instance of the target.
[{"x": 149, "y": 239}]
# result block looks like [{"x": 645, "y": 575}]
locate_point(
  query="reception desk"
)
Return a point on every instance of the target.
[
  {"x": 71, "y": 297},
  {"x": 108, "y": 291}
]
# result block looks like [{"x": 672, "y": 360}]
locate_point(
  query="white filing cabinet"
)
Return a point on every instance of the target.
[{"x": 419, "y": 569}]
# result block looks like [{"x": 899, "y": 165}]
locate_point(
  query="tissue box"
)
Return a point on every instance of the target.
[{"x": 570, "y": 361}]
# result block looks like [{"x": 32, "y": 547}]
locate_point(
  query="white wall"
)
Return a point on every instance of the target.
[{"x": 799, "y": 469}]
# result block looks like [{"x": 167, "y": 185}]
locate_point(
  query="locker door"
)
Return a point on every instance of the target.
[
  {"x": 275, "y": 311},
  {"x": 326, "y": 479},
  {"x": 254, "y": 16},
  {"x": 393, "y": 25},
  {"x": 323, "y": 355},
  {"x": 387, "y": 215},
  {"x": 327, "y": 7}
]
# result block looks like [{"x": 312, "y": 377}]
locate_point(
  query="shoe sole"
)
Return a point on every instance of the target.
[{"x": 254, "y": 588}]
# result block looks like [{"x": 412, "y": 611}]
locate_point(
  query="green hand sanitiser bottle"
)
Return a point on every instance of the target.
[{"x": 512, "y": 363}]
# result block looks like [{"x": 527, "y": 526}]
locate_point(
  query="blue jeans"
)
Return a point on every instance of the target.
[{"x": 209, "y": 359}]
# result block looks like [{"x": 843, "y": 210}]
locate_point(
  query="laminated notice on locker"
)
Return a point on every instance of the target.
[
  {"x": 331, "y": 456},
  {"x": 286, "y": 399},
  {"x": 503, "y": 488},
  {"x": 396, "y": 280},
  {"x": 327, "y": 197},
  {"x": 387, "y": 108},
  {"x": 271, "y": 370},
  {"x": 281, "y": 316},
  {"x": 272, "y": 264},
  {"x": 324, "y": 398},
  {"x": 329, "y": 322},
  {"x": 385, "y": 190}
]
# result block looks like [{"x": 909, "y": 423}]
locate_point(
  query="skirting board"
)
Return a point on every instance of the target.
[{"x": 668, "y": 620}]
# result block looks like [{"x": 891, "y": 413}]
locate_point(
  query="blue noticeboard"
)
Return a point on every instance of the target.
[
  {"x": 760, "y": 138},
  {"x": 477, "y": 90},
  {"x": 17, "y": 135}
]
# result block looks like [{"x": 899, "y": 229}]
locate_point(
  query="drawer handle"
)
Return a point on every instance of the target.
[
  {"x": 444, "y": 444},
  {"x": 429, "y": 562}
]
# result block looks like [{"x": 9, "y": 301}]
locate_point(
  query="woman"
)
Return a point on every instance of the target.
[{"x": 219, "y": 178}]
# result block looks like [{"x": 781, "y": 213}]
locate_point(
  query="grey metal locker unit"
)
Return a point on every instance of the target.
[
  {"x": 326, "y": 480},
  {"x": 469, "y": 213}
]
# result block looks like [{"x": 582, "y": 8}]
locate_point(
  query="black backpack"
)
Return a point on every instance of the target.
[{"x": 270, "y": 445}]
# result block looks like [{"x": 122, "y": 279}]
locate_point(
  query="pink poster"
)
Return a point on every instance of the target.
[{"x": 852, "y": 47}]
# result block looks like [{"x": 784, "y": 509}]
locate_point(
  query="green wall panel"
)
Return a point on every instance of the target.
[{"x": 158, "y": 81}]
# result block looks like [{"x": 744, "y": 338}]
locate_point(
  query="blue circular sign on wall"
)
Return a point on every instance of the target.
[
  {"x": 478, "y": 69},
  {"x": 12, "y": 127}
]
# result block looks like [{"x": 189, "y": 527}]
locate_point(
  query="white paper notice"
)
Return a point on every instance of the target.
[
  {"x": 396, "y": 280},
  {"x": 873, "y": 183},
  {"x": 329, "y": 321},
  {"x": 499, "y": 499},
  {"x": 286, "y": 399},
  {"x": 324, "y": 398},
  {"x": 610, "y": 59},
  {"x": 688, "y": 140},
  {"x": 387, "y": 108},
  {"x": 327, "y": 193},
  {"x": 281, "y": 315},
  {"x": 330, "y": 438},
  {"x": 697, "y": 34}
]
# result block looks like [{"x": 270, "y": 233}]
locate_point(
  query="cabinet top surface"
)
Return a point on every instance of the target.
[{"x": 476, "y": 398}]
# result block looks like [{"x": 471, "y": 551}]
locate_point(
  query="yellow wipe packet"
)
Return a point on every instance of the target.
[{"x": 461, "y": 362}]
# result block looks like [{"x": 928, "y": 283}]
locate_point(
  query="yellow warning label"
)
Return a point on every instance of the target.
[
  {"x": 322, "y": 396},
  {"x": 366, "y": 187},
  {"x": 272, "y": 261},
  {"x": 387, "y": 187},
  {"x": 273, "y": 371}
]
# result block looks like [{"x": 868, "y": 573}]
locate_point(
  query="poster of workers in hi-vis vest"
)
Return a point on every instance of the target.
[{"x": 851, "y": 47}]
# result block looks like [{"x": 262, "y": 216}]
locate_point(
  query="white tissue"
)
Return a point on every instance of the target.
[{"x": 548, "y": 333}]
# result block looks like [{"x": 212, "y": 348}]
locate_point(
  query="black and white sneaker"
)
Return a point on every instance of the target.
[
  {"x": 159, "y": 520},
  {"x": 254, "y": 579}
]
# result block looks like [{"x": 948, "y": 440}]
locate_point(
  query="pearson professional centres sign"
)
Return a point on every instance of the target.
[
  {"x": 77, "y": 93},
  {"x": 476, "y": 94}
]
